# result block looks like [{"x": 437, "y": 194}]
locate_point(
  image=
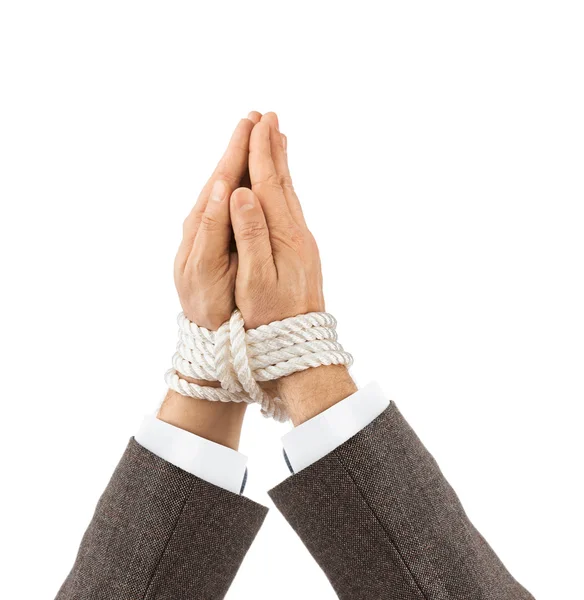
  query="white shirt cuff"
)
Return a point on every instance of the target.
[
  {"x": 320, "y": 435},
  {"x": 207, "y": 460}
]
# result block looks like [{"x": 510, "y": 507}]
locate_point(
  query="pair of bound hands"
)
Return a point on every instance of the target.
[{"x": 274, "y": 273}]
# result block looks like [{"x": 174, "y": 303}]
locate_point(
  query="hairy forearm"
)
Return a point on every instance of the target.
[{"x": 308, "y": 393}]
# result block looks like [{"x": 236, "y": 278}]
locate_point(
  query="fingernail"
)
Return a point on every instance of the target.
[
  {"x": 218, "y": 191},
  {"x": 244, "y": 200},
  {"x": 285, "y": 142}
]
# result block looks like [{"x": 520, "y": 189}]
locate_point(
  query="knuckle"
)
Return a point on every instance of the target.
[
  {"x": 290, "y": 236},
  {"x": 210, "y": 223},
  {"x": 270, "y": 182},
  {"x": 225, "y": 173},
  {"x": 296, "y": 235},
  {"x": 240, "y": 148},
  {"x": 286, "y": 182},
  {"x": 252, "y": 231},
  {"x": 206, "y": 267}
]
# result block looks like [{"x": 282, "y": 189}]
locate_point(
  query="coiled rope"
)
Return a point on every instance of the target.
[{"x": 239, "y": 359}]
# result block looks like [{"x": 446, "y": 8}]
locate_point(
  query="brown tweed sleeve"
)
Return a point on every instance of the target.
[
  {"x": 382, "y": 522},
  {"x": 161, "y": 533}
]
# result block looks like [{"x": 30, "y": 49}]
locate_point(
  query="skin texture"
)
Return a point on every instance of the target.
[{"x": 274, "y": 274}]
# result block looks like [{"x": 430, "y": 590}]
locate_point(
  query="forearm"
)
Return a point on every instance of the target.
[
  {"x": 219, "y": 422},
  {"x": 308, "y": 393},
  {"x": 159, "y": 531},
  {"x": 378, "y": 516}
]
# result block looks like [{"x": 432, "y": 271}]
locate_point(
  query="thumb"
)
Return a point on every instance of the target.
[{"x": 250, "y": 229}]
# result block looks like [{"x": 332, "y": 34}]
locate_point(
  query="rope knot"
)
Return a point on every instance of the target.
[{"x": 241, "y": 359}]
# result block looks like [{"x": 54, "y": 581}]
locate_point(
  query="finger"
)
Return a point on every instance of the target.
[
  {"x": 278, "y": 144},
  {"x": 212, "y": 242},
  {"x": 233, "y": 164},
  {"x": 254, "y": 116},
  {"x": 231, "y": 169},
  {"x": 264, "y": 177},
  {"x": 251, "y": 231}
]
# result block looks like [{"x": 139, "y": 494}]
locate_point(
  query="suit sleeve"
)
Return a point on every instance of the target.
[
  {"x": 381, "y": 520},
  {"x": 161, "y": 533}
]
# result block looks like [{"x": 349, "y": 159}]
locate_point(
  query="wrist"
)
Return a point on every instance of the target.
[
  {"x": 308, "y": 393},
  {"x": 219, "y": 422},
  {"x": 209, "y": 320}
]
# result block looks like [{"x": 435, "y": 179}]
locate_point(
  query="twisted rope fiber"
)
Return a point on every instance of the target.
[{"x": 239, "y": 359}]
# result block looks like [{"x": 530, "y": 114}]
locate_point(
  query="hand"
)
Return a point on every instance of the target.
[
  {"x": 279, "y": 273},
  {"x": 204, "y": 274},
  {"x": 205, "y": 267}
]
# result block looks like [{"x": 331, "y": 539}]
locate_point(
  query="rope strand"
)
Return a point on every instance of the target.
[{"x": 239, "y": 359}]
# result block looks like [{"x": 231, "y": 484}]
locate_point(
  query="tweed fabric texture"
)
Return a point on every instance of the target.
[
  {"x": 383, "y": 523},
  {"x": 161, "y": 533}
]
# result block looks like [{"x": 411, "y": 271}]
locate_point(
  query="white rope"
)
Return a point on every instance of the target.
[{"x": 239, "y": 359}]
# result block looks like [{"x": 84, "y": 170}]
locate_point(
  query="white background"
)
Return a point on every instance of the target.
[{"x": 438, "y": 149}]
